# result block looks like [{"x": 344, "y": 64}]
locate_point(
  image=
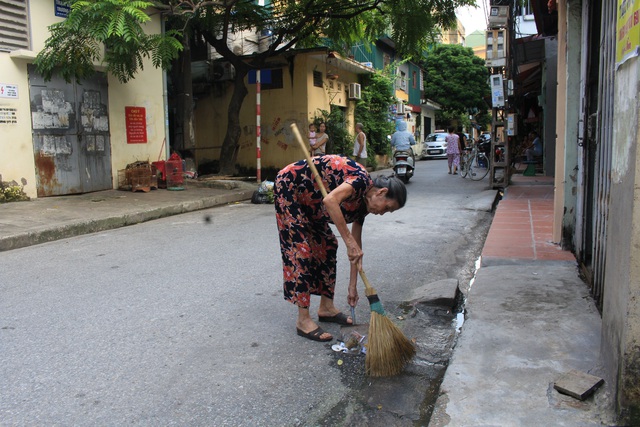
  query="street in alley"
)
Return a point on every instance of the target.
[{"x": 181, "y": 321}]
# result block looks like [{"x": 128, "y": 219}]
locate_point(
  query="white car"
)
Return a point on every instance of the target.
[{"x": 435, "y": 147}]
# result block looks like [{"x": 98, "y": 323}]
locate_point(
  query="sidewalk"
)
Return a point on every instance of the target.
[
  {"x": 51, "y": 218},
  {"x": 529, "y": 320}
]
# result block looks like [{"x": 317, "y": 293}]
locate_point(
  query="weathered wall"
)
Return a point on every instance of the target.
[
  {"x": 621, "y": 307},
  {"x": 550, "y": 86},
  {"x": 569, "y": 107},
  {"x": 17, "y": 160},
  {"x": 299, "y": 101}
]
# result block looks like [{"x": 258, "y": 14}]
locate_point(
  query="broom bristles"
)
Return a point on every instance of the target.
[{"x": 388, "y": 350}]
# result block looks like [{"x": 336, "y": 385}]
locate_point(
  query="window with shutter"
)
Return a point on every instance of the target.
[
  {"x": 317, "y": 79},
  {"x": 14, "y": 25}
]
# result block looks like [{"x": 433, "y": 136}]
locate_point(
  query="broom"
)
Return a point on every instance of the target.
[{"x": 388, "y": 350}]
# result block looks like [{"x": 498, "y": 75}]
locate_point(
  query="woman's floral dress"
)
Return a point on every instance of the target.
[{"x": 307, "y": 242}]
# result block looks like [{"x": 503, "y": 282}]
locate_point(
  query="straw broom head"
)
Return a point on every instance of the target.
[{"x": 388, "y": 350}]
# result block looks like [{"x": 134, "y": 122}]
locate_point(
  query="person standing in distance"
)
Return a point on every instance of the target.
[
  {"x": 453, "y": 150},
  {"x": 360, "y": 146},
  {"x": 319, "y": 147}
]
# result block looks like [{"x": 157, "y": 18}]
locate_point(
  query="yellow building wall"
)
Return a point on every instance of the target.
[
  {"x": 146, "y": 90},
  {"x": 16, "y": 147},
  {"x": 480, "y": 51},
  {"x": 16, "y": 158},
  {"x": 299, "y": 102}
]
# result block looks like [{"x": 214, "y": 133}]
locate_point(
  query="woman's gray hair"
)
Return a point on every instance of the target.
[{"x": 396, "y": 188}]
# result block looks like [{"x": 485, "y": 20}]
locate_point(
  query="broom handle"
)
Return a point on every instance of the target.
[{"x": 294, "y": 128}]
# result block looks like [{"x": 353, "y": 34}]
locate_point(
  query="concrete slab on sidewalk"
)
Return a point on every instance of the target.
[
  {"x": 442, "y": 293},
  {"x": 527, "y": 325},
  {"x": 483, "y": 201},
  {"x": 51, "y": 218}
]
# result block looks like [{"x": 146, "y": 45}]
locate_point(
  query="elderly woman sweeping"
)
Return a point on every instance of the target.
[{"x": 308, "y": 245}]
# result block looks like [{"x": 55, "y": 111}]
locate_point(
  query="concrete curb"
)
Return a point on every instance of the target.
[{"x": 81, "y": 227}]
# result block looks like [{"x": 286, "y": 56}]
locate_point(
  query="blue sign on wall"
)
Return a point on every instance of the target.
[
  {"x": 61, "y": 8},
  {"x": 265, "y": 77}
]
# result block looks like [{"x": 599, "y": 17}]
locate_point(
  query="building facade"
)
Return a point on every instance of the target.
[
  {"x": 597, "y": 174},
  {"x": 583, "y": 64},
  {"x": 62, "y": 137},
  {"x": 294, "y": 90}
]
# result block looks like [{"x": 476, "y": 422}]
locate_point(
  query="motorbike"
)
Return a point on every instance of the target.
[{"x": 403, "y": 164}]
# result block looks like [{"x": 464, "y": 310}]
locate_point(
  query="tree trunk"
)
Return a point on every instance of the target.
[
  {"x": 230, "y": 146},
  {"x": 183, "y": 138},
  {"x": 188, "y": 132}
]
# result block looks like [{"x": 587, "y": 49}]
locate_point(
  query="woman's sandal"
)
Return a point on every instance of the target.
[
  {"x": 340, "y": 319},
  {"x": 313, "y": 335}
]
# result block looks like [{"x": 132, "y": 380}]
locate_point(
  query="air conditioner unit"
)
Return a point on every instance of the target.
[
  {"x": 222, "y": 71},
  {"x": 400, "y": 108},
  {"x": 498, "y": 16},
  {"x": 354, "y": 91},
  {"x": 367, "y": 64}
]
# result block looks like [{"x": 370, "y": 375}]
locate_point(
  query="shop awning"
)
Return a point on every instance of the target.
[{"x": 530, "y": 56}]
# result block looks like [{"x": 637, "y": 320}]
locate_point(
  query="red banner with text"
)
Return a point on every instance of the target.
[{"x": 136, "y": 122}]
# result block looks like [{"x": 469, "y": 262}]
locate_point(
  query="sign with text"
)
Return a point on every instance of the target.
[
  {"x": 136, "y": 122},
  {"x": 61, "y": 9},
  {"x": 8, "y": 91},
  {"x": 627, "y": 30}
]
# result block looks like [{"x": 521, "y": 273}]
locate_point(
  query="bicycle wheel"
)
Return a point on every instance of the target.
[
  {"x": 478, "y": 167},
  {"x": 464, "y": 166}
]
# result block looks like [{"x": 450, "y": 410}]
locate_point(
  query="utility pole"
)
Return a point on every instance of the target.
[{"x": 498, "y": 37}]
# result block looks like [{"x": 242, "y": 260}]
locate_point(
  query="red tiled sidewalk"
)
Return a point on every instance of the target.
[{"x": 522, "y": 225}]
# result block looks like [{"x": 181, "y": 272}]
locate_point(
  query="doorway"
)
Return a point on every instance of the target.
[{"x": 70, "y": 133}]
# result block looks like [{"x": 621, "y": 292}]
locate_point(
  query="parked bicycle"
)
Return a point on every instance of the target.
[{"x": 475, "y": 163}]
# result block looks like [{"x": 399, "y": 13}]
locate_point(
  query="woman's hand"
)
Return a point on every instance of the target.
[{"x": 352, "y": 298}]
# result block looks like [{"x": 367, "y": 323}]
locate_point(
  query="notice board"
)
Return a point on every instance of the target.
[{"x": 136, "y": 123}]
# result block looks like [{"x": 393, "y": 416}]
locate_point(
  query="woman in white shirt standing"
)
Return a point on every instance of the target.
[
  {"x": 360, "y": 146},
  {"x": 319, "y": 148}
]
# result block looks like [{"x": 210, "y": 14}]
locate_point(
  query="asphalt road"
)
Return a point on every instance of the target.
[{"x": 182, "y": 322}]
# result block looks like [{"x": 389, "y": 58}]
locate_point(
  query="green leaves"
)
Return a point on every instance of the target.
[
  {"x": 456, "y": 79},
  {"x": 117, "y": 26},
  {"x": 373, "y": 109}
]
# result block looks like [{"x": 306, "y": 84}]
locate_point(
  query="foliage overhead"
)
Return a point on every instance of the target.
[
  {"x": 76, "y": 43},
  {"x": 457, "y": 80},
  {"x": 112, "y": 27}
]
